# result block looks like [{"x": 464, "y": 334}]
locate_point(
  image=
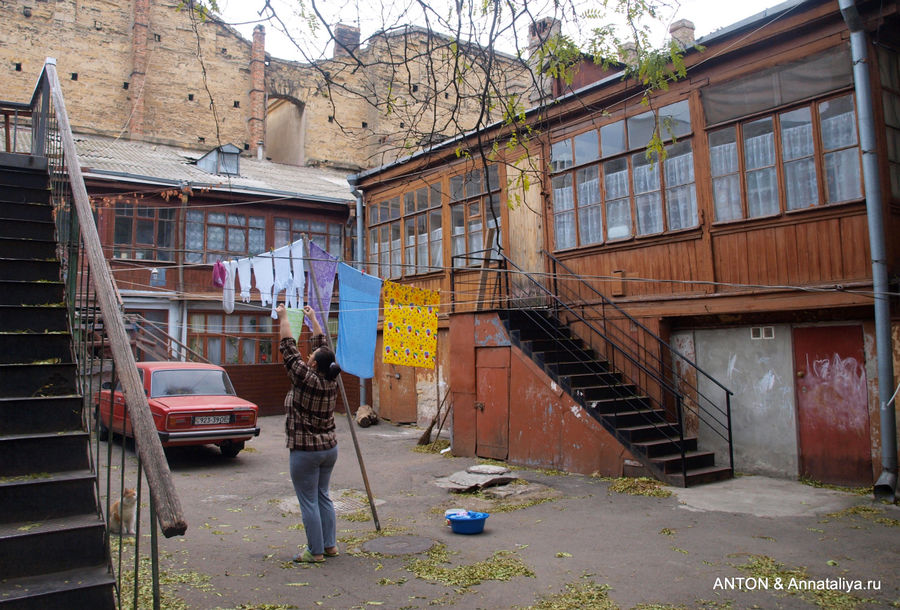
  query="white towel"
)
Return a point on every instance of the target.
[
  {"x": 265, "y": 276},
  {"x": 299, "y": 284},
  {"x": 243, "y": 271},
  {"x": 282, "y": 258},
  {"x": 228, "y": 288}
]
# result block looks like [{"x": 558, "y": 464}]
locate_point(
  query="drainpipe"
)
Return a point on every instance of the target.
[
  {"x": 886, "y": 485},
  {"x": 360, "y": 255}
]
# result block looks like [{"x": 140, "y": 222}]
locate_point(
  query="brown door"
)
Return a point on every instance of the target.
[
  {"x": 832, "y": 405},
  {"x": 492, "y": 402},
  {"x": 397, "y": 394}
]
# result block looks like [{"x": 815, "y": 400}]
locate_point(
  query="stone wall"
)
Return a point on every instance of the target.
[{"x": 139, "y": 75}]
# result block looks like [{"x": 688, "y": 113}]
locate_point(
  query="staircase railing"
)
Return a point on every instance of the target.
[
  {"x": 151, "y": 339},
  {"x": 669, "y": 379},
  {"x": 92, "y": 298}
]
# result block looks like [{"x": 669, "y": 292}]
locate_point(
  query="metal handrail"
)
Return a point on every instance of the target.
[{"x": 90, "y": 290}]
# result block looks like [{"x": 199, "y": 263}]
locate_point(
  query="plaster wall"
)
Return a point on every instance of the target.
[{"x": 763, "y": 407}]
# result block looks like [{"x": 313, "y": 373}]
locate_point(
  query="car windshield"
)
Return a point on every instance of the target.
[{"x": 190, "y": 382}]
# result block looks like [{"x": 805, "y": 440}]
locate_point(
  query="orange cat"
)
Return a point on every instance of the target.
[{"x": 123, "y": 513}]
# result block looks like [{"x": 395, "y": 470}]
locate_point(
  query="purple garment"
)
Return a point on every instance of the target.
[
  {"x": 322, "y": 269},
  {"x": 219, "y": 273}
]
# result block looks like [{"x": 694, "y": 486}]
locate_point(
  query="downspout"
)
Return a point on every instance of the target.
[
  {"x": 360, "y": 255},
  {"x": 886, "y": 485}
]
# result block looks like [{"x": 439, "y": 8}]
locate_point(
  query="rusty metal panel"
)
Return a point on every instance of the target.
[
  {"x": 463, "y": 423},
  {"x": 462, "y": 353},
  {"x": 492, "y": 402},
  {"x": 489, "y": 331},
  {"x": 832, "y": 405}
]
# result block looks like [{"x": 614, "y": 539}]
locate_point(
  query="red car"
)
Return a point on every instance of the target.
[{"x": 191, "y": 403}]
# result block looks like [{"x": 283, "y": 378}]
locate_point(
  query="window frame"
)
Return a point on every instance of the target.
[
  {"x": 647, "y": 201},
  {"x": 780, "y": 161},
  {"x": 467, "y": 191},
  {"x": 230, "y": 226},
  {"x": 201, "y": 339},
  {"x": 129, "y": 250},
  {"x": 327, "y": 235}
]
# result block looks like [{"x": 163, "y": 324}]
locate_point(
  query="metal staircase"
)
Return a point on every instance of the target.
[
  {"x": 651, "y": 398},
  {"x": 53, "y": 551}
]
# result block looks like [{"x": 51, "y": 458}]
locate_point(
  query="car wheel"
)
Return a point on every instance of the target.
[
  {"x": 230, "y": 449},
  {"x": 102, "y": 431}
]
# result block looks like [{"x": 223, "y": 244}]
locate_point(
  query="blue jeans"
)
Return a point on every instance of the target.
[{"x": 310, "y": 474}]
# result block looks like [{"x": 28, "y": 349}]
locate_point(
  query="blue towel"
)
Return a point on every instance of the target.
[{"x": 357, "y": 321}]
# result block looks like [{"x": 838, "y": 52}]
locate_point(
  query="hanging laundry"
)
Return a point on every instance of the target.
[
  {"x": 322, "y": 269},
  {"x": 295, "y": 294},
  {"x": 218, "y": 274},
  {"x": 228, "y": 288},
  {"x": 357, "y": 321},
  {"x": 264, "y": 272},
  {"x": 243, "y": 271},
  {"x": 295, "y": 317},
  {"x": 410, "y": 325},
  {"x": 283, "y": 279}
]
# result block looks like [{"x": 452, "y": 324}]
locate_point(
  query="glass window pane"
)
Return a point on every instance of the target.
[
  {"x": 618, "y": 219},
  {"x": 409, "y": 203},
  {"x": 838, "y": 123},
  {"x": 588, "y": 184},
  {"x": 215, "y": 237},
  {"x": 257, "y": 241},
  {"x": 248, "y": 351},
  {"x": 144, "y": 232},
  {"x": 216, "y": 218},
  {"x": 681, "y": 197},
  {"x": 214, "y": 349},
  {"x": 615, "y": 177},
  {"x": 796, "y": 134},
  {"x": 561, "y": 155},
  {"x": 640, "y": 129},
  {"x": 258, "y": 222},
  {"x": 797, "y": 150},
  {"x": 590, "y": 224},
  {"x": 675, "y": 120},
  {"x": 800, "y": 184},
  {"x": 563, "y": 198},
  {"x": 456, "y": 188},
  {"x": 194, "y": 216},
  {"x": 842, "y": 175},
  {"x": 236, "y": 239},
  {"x": 123, "y": 230},
  {"x": 237, "y": 220},
  {"x": 564, "y": 230},
  {"x": 232, "y": 324},
  {"x": 437, "y": 255},
  {"x": 422, "y": 198},
  {"x": 762, "y": 192},
  {"x": 612, "y": 138},
  {"x": 727, "y": 195},
  {"x": 476, "y": 242},
  {"x": 493, "y": 177},
  {"x": 649, "y": 213},
  {"x": 587, "y": 147},
  {"x": 474, "y": 184},
  {"x": 759, "y": 144}
]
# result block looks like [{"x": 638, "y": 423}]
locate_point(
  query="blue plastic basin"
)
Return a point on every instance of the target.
[{"x": 470, "y": 522}]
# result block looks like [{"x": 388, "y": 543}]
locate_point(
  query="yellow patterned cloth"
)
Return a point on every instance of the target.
[{"x": 410, "y": 325}]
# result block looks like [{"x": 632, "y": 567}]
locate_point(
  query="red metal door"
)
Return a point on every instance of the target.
[
  {"x": 492, "y": 402},
  {"x": 832, "y": 405},
  {"x": 397, "y": 394}
]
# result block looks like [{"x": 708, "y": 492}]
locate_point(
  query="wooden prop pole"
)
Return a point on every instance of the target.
[{"x": 359, "y": 457}]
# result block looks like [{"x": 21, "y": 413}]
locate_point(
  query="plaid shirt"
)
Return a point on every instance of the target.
[{"x": 310, "y": 401}]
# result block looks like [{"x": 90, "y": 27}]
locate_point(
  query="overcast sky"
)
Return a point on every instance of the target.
[{"x": 707, "y": 15}]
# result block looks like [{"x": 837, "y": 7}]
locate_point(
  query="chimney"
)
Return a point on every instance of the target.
[
  {"x": 628, "y": 53},
  {"x": 540, "y": 31},
  {"x": 682, "y": 32},
  {"x": 140, "y": 34},
  {"x": 257, "y": 121},
  {"x": 346, "y": 40}
]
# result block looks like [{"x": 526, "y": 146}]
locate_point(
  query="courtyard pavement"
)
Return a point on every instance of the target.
[{"x": 564, "y": 541}]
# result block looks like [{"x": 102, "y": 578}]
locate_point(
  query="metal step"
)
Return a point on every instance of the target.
[
  {"x": 40, "y": 318},
  {"x": 26, "y": 454},
  {"x": 671, "y": 463},
  {"x": 40, "y": 415},
  {"x": 50, "y": 545},
  {"x": 42, "y": 495},
  {"x": 23, "y": 292},
  {"x": 89, "y": 587},
  {"x": 35, "y": 249},
  {"x": 41, "y": 211},
  {"x": 16, "y": 228},
  {"x": 24, "y": 380},
  {"x": 700, "y": 476},
  {"x": 34, "y": 271},
  {"x": 35, "y": 348}
]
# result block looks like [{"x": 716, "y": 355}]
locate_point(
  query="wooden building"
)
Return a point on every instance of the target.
[
  {"x": 745, "y": 250},
  {"x": 166, "y": 215}
]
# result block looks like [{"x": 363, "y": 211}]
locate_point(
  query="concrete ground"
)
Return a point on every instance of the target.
[{"x": 723, "y": 545}]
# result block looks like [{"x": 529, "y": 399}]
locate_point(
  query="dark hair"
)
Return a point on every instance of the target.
[{"x": 325, "y": 363}]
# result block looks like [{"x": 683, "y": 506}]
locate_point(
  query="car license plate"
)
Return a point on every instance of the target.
[{"x": 200, "y": 420}]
